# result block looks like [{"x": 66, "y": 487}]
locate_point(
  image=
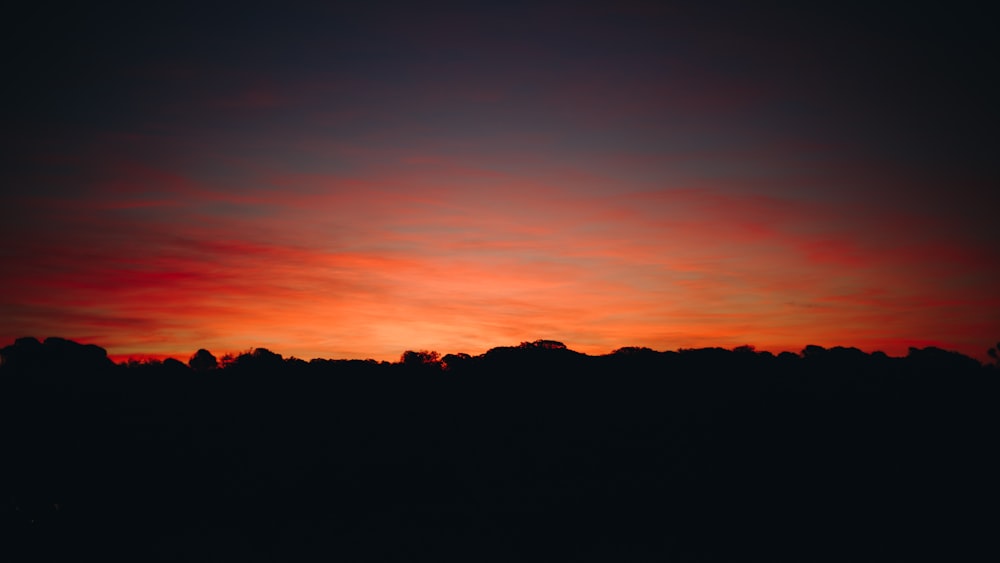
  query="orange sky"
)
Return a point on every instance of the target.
[{"x": 615, "y": 183}]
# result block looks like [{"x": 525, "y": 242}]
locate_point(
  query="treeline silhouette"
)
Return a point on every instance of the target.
[{"x": 525, "y": 453}]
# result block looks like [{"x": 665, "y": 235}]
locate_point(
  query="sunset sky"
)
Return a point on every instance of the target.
[{"x": 358, "y": 179}]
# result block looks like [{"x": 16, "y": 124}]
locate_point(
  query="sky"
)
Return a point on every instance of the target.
[{"x": 353, "y": 180}]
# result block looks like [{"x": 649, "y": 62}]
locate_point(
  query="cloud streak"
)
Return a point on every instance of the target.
[{"x": 457, "y": 258}]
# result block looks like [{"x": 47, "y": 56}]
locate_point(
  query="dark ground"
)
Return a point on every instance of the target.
[{"x": 533, "y": 453}]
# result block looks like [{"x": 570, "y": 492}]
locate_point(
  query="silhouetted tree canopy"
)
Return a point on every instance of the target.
[
  {"x": 30, "y": 354},
  {"x": 626, "y": 350},
  {"x": 259, "y": 360},
  {"x": 535, "y": 451},
  {"x": 456, "y": 361},
  {"x": 419, "y": 358},
  {"x": 203, "y": 360},
  {"x": 544, "y": 345},
  {"x": 175, "y": 365}
]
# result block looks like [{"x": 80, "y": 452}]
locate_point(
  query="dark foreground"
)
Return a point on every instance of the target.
[{"x": 534, "y": 453}]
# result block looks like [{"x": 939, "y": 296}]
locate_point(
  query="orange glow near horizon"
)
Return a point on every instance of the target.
[{"x": 371, "y": 273}]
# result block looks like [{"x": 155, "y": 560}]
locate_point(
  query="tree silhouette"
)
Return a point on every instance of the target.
[
  {"x": 626, "y": 350},
  {"x": 453, "y": 361},
  {"x": 544, "y": 345},
  {"x": 413, "y": 358},
  {"x": 203, "y": 360},
  {"x": 227, "y": 360}
]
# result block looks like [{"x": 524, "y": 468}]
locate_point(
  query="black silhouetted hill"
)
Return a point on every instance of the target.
[{"x": 525, "y": 453}]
